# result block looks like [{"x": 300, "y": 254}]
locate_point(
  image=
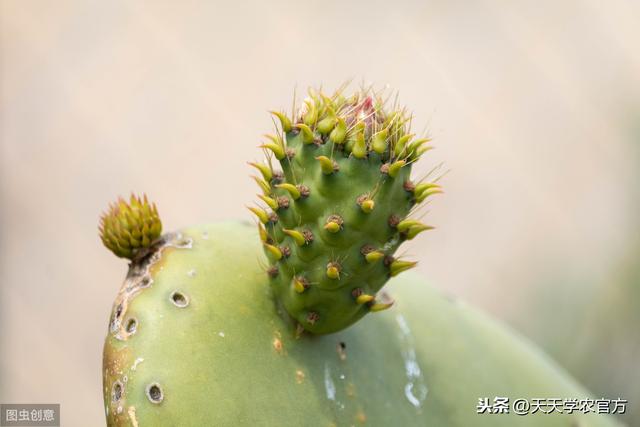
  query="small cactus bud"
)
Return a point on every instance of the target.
[
  {"x": 284, "y": 120},
  {"x": 130, "y": 227}
]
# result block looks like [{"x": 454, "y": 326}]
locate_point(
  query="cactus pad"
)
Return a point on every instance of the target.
[{"x": 338, "y": 206}]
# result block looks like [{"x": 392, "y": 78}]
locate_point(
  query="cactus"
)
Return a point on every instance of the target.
[
  {"x": 340, "y": 206},
  {"x": 223, "y": 325}
]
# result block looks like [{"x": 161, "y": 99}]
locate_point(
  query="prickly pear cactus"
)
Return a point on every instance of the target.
[
  {"x": 339, "y": 207},
  {"x": 207, "y": 330}
]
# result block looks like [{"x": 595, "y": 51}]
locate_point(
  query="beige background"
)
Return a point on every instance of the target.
[{"x": 534, "y": 108}]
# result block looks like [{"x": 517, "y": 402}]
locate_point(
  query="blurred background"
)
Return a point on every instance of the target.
[{"x": 534, "y": 108}]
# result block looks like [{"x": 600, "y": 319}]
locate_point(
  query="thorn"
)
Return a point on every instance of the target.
[
  {"x": 278, "y": 151},
  {"x": 327, "y": 124},
  {"x": 332, "y": 227},
  {"x": 274, "y": 251},
  {"x": 284, "y": 120},
  {"x": 307, "y": 133},
  {"x": 333, "y": 270},
  {"x": 295, "y": 235},
  {"x": 417, "y": 229},
  {"x": 311, "y": 116},
  {"x": 300, "y": 284},
  {"x": 264, "y": 185},
  {"x": 379, "y": 306},
  {"x": 374, "y": 256},
  {"x": 401, "y": 144},
  {"x": 264, "y": 236},
  {"x": 399, "y": 266},
  {"x": 260, "y": 213},
  {"x": 295, "y": 193},
  {"x": 339, "y": 133},
  {"x": 428, "y": 192},
  {"x": 379, "y": 141},
  {"x": 364, "y": 298},
  {"x": 420, "y": 151},
  {"x": 395, "y": 167},
  {"x": 366, "y": 204},
  {"x": 415, "y": 145},
  {"x": 405, "y": 224},
  {"x": 327, "y": 165},
  {"x": 264, "y": 170},
  {"x": 424, "y": 186},
  {"x": 269, "y": 201},
  {"x": 359, "y": 149}
]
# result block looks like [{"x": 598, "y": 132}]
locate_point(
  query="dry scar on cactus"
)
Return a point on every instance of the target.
[{"x": 336, "y": 202}]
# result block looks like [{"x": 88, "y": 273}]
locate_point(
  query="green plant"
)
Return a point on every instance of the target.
[{"x": 207, "y": 331}]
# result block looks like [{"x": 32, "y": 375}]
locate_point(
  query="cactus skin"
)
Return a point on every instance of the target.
[
  {"x": 223, "y": 355},
  {"x": 339, "y": 209}
]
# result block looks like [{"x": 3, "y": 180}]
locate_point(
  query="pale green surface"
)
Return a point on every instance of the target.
[{"x": 242, "y": 379}]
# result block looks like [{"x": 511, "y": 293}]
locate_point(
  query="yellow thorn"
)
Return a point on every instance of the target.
[
  {"x": 333, "y": 272},
  {"x": 359, "y": 149},
  {"x": 295, "y": 193},
  {"x": 417, "y": 229},
  {"x": 295, "y": 235},
  {"x": 364, "y": 298},
  {"x": 395, "y": 167},
  {"x": 311, "y": 115},
  {"x": 264, "y": 170},
  {"x": 339, "y": 132},
  {"x": 327, "y": 124},
  {"x": 399, "y": 266},
  {"x": 379, "y": 141},
  {"x": 264, "y": 236},
  {"x": 367, "y": 205},
  {"x": 380, "y": 306},
  {"x": 307, "y": 133},
  {"x": 298, "y": 286},
  {"x": 332, "y": 227},
  {"x": 405, "y": 224},
  {"x": 284, "y": 120},
  {"x": 428, "y": 192},
  {"x": 274, "y": 250},
  {"x": 424, "y": 186},
  {"x": 374, "y": 256},
  {"x": 278, "y": 151},
  {"x": 260, "y": 213},
  {"x": 325, "y": 164},
  {"x": 401, "y": 144},
  {"x": 264, "y": 185},
  {"x": 269, "y": 201}
]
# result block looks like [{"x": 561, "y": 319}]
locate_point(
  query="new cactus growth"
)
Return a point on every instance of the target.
[
  {"x": 338, "y": 206},
  {"x": 209, "y": 325}
]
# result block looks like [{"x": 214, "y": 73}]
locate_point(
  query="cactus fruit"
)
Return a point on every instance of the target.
[
  {"x": 209, "y": 325},
  {"x": 340, "y": 206}
]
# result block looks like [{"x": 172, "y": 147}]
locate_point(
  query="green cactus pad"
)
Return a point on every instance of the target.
[
  {"x": 338, "y": 210},
  {"x": 195, "y": 339}
]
